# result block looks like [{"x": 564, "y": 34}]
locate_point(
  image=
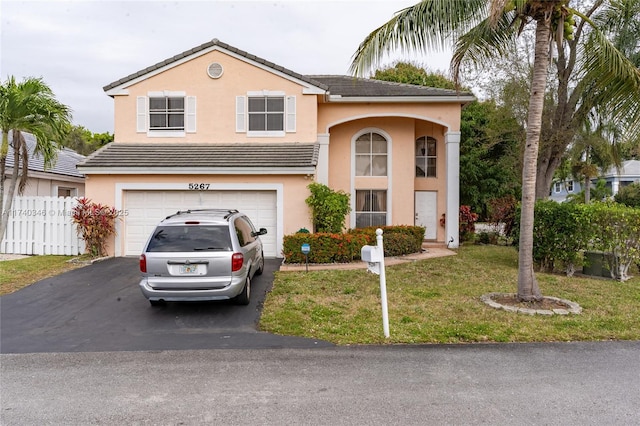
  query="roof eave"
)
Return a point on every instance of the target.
[
  {"x": 402, "y": 99},
  {"x": 107, "y": 170}
]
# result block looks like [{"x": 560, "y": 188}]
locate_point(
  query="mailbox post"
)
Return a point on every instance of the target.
[{"x": 374, "y": 256}]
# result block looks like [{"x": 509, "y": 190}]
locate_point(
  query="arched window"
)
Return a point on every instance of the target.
[
  {"x": 426, "y": 156},
  {"x": 371, "y": 155}
]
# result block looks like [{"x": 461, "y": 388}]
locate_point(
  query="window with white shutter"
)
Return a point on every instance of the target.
[
  {"x": 240, "y": 114},
  {"x": 141, "y": 114},
  {"x": 191, "y": 114},
  {"x": 291, "y": 114}
]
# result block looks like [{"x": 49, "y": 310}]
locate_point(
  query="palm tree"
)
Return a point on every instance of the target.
[
  {"x": 484, "y": 29},
  {"x": 29, "y": 106}
]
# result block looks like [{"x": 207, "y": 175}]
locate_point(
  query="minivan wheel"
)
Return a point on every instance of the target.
[
  {"x": 157, "y": 302},
  {"x": 243, "y": 298},
  {"x": 260, "y": 269}
]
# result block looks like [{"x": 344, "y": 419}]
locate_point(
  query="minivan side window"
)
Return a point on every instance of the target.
[{"x": 243, "y": 231}]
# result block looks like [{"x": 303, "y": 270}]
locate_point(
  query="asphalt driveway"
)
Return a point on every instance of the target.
[{"x": 100, "y": 308}]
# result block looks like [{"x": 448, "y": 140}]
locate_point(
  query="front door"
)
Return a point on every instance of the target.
[{"x": 427, "y": 212}]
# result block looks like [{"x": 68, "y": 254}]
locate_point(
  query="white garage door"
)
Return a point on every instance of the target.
[{"x": 146, "y": 208}]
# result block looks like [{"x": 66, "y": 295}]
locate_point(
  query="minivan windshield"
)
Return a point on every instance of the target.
[{"x": 189, "y": 238}]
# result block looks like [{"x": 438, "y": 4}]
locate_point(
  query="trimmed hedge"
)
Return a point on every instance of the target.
[
  {"x": 562, "y": 231},
  {"x": 345, "y": 247}
]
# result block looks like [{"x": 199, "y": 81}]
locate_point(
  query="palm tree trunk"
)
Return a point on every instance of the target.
[
  {"x": 528, "y": 289},
  {"x": 8, "y": 200}
]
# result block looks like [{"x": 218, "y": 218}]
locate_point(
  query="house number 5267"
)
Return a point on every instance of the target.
[{"x": 199, "y": 186}]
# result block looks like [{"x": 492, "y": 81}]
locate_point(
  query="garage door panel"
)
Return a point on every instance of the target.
[{"x": 146, "y": 208}]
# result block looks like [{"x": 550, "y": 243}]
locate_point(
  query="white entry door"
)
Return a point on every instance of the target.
[{"x": 427, "y": 212}]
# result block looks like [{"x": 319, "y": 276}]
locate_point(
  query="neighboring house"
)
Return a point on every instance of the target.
[
  {"x": 62, "y": 179},
  {"x": 217, "y": 127},
  {"x": 561, "y": 189},
  {"x": 626, "y": 175},
  {"x": 615, "y": 179}
]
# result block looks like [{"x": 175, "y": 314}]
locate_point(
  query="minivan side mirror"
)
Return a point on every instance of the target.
[{"x": 262, "y": 231}]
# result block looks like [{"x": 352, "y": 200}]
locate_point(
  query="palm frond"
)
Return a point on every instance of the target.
[
  {"x": 614, "y": 79},
  {"x": 428, "y": 24},
  {"x": 485, "y": 41}
]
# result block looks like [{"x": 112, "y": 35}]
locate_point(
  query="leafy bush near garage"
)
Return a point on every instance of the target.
[
  {"x": 345, "y": 247},
  {"x": 328, "y": 208},
  {"x": 96, "y": 223}
]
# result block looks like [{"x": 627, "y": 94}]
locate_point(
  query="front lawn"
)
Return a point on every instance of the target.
[
  {"x": 438, "y": 301},
  {"x": 19, "y": 273}
]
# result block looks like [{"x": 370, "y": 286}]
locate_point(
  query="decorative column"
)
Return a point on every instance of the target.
[
  {"x": 452, "y": 227},
  {"x": 322, "y": 169}
]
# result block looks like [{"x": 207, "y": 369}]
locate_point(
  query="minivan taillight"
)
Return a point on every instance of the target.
[
  {"x": 236, "y": 262},
  {"x": 143, "y": 263}
]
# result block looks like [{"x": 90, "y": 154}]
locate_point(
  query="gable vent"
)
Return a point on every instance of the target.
[{"x": 215, "y": 70}]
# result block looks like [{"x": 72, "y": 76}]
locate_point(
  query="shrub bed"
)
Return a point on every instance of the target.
[
  {"x": 563, "y": 231},
  {"x": 345, "y": 247}
]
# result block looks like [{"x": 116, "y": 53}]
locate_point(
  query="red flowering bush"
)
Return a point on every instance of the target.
[{"x": 96, "y": 223}]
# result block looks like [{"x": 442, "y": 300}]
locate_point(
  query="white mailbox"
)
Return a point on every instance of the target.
[{"x": 371, "y": 254}]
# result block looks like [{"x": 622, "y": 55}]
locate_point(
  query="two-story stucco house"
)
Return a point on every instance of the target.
[{"x": 217, "y": 127}]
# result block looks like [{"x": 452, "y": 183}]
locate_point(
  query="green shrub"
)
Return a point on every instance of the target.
[
  {"x": 396, "y": 240},
  {"x": 616, "y": 230},
  {"x": 328, "y": 208},
  {"x": 563, "y": 231},
  {"x": 345, "y": 247},
  {"x": 629, "y": 195},
  {"x": 325, "y": 247}
]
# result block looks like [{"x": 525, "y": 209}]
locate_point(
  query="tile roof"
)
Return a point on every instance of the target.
[
  {"x": 347, "y": 86},
  {"x": 65, "y": 163},
  {"x": 166, "y": 156},
  {"x": 342, "y": 85}
]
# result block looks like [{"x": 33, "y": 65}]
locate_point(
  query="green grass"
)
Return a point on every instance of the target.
[
  {"x": 16, "y": 274},
  {"x": 438, "y": 301}
]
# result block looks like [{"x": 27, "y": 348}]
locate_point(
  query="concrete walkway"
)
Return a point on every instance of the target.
[{"x": 427, "y": 253}]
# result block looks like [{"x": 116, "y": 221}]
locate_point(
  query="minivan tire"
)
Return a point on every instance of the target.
[{"x": 243, "y": 298}]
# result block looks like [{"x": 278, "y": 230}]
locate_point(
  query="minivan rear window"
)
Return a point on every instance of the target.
[{"x": 190, "y": 238}]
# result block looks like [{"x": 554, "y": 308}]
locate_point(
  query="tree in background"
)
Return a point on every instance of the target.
[
  {"x": 29, "y": 106},
  {"x": 410, "y": 73},
  {"x": 490, "y": 163},
  {"x": 484, "y": 29},
  {"x": 82, "y": 141}
]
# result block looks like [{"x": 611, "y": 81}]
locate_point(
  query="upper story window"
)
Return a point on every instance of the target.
[
  {"x": 266, "y": 114},
  {"x": 166, "y": 113},
  {"x": 371, "y": 155},
  {"x": 426, "y": 156}
]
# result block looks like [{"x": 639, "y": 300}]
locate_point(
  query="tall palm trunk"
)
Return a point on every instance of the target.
[{"x": 528, "y": 289}]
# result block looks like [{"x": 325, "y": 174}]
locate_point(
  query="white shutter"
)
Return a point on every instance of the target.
[
  {"x": 291, "y": 114},
  {"x": 141, "y": 114},
  {"x": 191, "y": 114},
  {"x": 241, "y": 125}
]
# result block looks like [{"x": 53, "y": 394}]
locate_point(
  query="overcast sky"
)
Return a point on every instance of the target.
[{"x": 78, "y": 47}]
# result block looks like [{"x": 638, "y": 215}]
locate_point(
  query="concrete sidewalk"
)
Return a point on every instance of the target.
[{"x": 427, "y": 253}]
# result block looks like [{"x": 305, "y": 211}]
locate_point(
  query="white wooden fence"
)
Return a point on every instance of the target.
[{"x": 41, "y": 225}]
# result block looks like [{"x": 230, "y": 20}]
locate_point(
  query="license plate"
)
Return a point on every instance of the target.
[{"x": 188, "y": 269}]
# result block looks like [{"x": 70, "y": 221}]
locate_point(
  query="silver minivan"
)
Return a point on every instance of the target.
[{"x": 197, "y": 255}]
